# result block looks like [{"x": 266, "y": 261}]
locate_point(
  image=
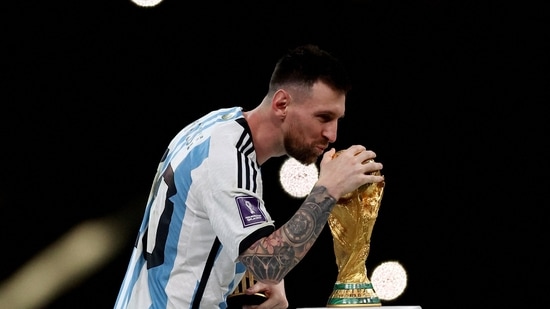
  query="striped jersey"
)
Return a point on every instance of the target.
[{"x": 205, "y": 207}]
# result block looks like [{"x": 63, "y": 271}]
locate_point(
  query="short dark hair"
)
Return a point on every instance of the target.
[{"x": 308, "y": 64}]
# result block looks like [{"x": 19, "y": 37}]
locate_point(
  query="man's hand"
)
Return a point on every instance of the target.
[
  {"x": 275, "y": 293},
  {"x": 352, "y": 168}
]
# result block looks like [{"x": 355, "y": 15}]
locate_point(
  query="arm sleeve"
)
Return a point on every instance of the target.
[{"x": 232, "y": 195}]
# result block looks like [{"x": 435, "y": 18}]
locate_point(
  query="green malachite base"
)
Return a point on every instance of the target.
[{"x": 353, "y": 295}]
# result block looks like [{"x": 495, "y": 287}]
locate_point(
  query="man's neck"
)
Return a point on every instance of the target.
[{"x": 266, "y": 133}]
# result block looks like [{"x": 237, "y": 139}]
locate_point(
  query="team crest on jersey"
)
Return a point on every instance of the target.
[{"x": 249, "y": 209}]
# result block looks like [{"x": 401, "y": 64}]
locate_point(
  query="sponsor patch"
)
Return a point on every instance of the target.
[{"x": 249, "y": 209}]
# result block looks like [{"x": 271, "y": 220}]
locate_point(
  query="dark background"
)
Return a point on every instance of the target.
[{"x": 450, "y": 95}]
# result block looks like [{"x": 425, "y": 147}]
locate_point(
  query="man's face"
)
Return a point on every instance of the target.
[{"x": 312, "y": 123}]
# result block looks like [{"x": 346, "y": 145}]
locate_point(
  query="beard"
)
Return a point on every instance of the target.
[{"x": 296, "y": 148}]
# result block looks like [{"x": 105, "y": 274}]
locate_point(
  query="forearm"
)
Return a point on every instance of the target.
[{"x": 271, "y": 258}]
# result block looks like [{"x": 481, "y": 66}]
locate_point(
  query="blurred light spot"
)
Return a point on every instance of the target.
[
  {"x": 64, "y": 264},
  {"x": 296, "y": 178},
  {"x": 389, "y": 280},
  {"x": 146, "y": 3}
]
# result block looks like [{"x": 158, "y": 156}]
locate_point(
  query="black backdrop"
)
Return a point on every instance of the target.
[{"x": 93, "y": 92}]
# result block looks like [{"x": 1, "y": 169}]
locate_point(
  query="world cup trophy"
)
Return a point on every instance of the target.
[{"x": 351, "y": 223}]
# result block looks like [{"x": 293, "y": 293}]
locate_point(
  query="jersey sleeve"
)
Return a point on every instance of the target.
[{"x": 233, "y": 193}]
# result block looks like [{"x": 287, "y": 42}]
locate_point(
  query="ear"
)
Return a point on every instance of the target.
[{"x": 279, "y": 102}]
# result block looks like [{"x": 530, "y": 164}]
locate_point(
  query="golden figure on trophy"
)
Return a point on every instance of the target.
[{"x": 351, "y": 222}]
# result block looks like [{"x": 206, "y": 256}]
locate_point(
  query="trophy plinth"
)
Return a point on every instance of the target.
[
  {"x": 351, "y": 222},
  {"x": 353, "y": 295}
]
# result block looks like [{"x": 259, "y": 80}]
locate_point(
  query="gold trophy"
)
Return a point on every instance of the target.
[
  {"x": 239, "y": 298},
  {"x": 351, "y": 222}
]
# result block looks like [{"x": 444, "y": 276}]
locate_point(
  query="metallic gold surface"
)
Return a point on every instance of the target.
[
  {"x": 239, "y": 298},
  {"x": 351, "y": 223}
]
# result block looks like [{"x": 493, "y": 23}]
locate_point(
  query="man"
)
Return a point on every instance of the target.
[{"x": 205, "y": 221}]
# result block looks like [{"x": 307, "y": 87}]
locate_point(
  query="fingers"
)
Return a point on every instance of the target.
[
  {"x": 369, "y": 166},
  {"x": 276, "y": 296},
  {"x": 356, "y": 149},
  {"x": 344, "y": 171},
  {"x": 360, "y": 153},
  {"x": 328, "y": 155},
  {"x": 372, "y": 166}
]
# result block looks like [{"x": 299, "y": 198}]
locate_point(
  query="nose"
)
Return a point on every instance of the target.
[{"x": 330, "y": 131}]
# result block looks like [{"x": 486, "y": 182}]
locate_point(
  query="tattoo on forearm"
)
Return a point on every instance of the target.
[{"x": 271, "y": 258}]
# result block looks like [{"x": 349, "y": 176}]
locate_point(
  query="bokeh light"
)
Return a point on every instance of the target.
[
  {"x": 389, "y": 280},
  {"x": 147, "y": 3},
  {"x": 296, "y": 178}
]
